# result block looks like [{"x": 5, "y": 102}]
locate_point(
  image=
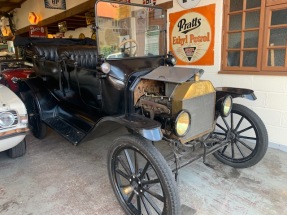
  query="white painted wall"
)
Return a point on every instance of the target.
[
  {"x": 38, "y": 7},
  {"x": 271, "y": 91},
  {"x": 75, "y": 34}
]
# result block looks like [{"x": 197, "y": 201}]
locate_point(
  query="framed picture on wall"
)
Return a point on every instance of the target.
[{"x": 55, "y": 4}]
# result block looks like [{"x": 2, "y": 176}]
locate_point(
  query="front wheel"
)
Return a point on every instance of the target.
[
  {"x": 38, "y": 128},
  {"x": 141, "y": 178},
  {"x": 247, "y": 137}
]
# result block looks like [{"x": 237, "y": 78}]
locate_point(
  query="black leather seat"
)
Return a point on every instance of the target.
[
  {"x": 45, "y": 59},
  {"x": 84, "y": 56},
  {"x": 47, "y": 52},
  {"x": 79, "y": 65}
]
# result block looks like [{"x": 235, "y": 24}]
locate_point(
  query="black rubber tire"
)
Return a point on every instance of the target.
[
  {"x": 143, "y": 147},
  {"x": 37, "y": 127},
  {"x": 260, "y": 139},
  {"x": 18, "y": 150}
]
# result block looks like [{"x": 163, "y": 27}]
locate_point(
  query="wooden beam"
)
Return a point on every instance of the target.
[
  {"x": 81, "y": 8},
  {"x": 22, "y": 30},
  {"x": 78, "y": 16},
  {"x": 11, "y": 4},
  {"x": 75, "y": 20},
  {"x": 166, "y": 5}
]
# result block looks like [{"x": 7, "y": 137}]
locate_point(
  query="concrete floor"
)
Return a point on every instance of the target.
[{"x": 55, "y": 177}]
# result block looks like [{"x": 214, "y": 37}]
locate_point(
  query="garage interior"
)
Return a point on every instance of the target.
[{"x": 55, "y": 177}]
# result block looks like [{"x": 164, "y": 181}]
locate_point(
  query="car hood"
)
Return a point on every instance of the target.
[
  {"x": 10, "y": 101},
  {"x": 173, "y": 74}
]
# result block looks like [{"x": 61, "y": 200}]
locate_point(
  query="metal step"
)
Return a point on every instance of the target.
[{"x": 69, "y": 132}]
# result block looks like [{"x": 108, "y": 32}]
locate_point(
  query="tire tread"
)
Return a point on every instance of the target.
[
  {"x": 262, "y": 132},
  {"x": 18, "y": 150}
]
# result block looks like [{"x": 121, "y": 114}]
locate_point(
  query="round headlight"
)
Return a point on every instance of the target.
[
  {"x": 6, "y": 119},
  {"x": 106, "y": 68},
  {"x": 182, "y": 123},
  {"x": 173, "y": 61},
  {"x": 226, "y": 106},
  {"x": 170, "y": 59}
]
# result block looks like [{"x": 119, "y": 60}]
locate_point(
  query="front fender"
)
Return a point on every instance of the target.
[
  {"x": 147, "y": 128},
  {"x": 44, "y": 100},
  {"x": 221, "y": 92}
]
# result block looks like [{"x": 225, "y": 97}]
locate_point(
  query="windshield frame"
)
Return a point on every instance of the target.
[{"x": 162, "y": 32}]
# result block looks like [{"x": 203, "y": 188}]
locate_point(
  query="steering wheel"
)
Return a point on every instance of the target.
[{"x": 125, "y": 49}]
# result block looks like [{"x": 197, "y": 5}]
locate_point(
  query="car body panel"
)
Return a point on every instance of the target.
[
  {"x": 10, "y": 142},
  {"x": 11, "y": 136},
  {"x": 10, "y": 101},
  {"x": 13, "y": 70},
  {"x": 235, "y": 93},
  {"x": 172, "y": 74},
  {"x": 9, "y": 74}
]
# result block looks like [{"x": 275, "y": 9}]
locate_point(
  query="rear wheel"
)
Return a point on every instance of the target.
[
  {"x": 18, "y": 150},
  {"x": 38, "y": 128},
  {"x": 247, "y": 137},
  {"x": 141, "y": 178}
]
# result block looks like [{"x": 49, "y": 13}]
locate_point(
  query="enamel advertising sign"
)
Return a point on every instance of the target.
[
  {"x": 188, "y": 3},
  {"x": 37, "y": 31},
  {"x": 192, "y": 35}
]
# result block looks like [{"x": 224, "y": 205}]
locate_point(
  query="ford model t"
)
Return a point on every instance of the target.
[{"x": 83, "y": 90}]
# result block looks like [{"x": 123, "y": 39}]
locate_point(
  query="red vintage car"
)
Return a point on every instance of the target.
[{"x": 11, "y": 70}]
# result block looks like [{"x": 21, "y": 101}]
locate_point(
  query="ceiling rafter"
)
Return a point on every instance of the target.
[
  {"x": 7, "y": 6},
  {"x": 11, "y": 4},
  {"x": 75, "y": 17}
]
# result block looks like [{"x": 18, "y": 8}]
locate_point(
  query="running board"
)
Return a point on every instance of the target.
[{"x": 66, "y": 130}]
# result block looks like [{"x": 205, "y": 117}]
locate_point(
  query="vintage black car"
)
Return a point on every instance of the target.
[{"x": 84, "y": 89}]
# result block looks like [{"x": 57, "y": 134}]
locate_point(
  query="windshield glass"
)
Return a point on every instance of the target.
[{"x": 129, "y": 31}]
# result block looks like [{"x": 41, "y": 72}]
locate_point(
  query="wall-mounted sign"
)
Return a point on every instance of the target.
[
  {"x": 90, "y": 18},
  {"x": 152, "y": 40},
  {"x": 149, "y": 2},
  {"x": 33, "y": 18},
  {"x": 55, "y": 4},
  {"x": 63, "y": 27},
  {"x": 37, "y": 31},
  {"x": 192, "y": 35},
  {"x": 6, "y": 30},
  {"x": 188, "y": 3}
]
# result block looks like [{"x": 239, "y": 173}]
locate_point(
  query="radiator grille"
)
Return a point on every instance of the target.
[{"x": 201, "y": 109}]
